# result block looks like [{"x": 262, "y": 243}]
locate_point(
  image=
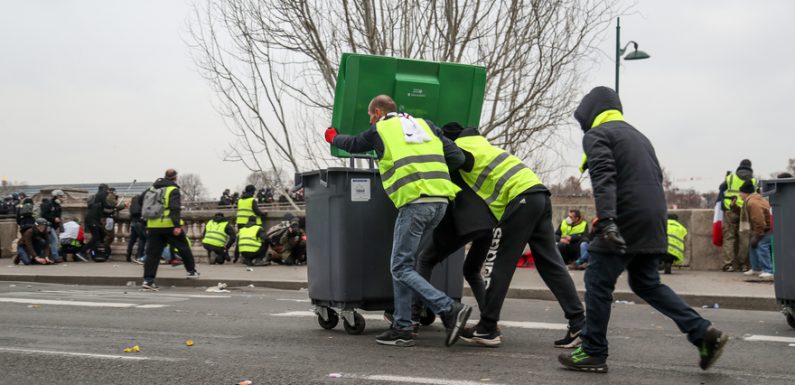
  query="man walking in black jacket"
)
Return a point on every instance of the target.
[{"x": 630, "y": 233}]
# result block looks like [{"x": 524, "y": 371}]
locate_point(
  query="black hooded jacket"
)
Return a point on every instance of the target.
[{"x": 625, "y": 175}]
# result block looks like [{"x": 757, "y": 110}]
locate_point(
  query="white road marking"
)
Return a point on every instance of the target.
[
  {"x": 292, "y": 300},
  {"x": 414, "y": 380},
  {"x": 103, "y": 292},
  {"x": 90, "y": 355},
  {"x": 33, "y": 301},
  {"x": 533, "y": 325},
  {"x": 770, "y": 339},
  {"x": 379, "y": 317}
]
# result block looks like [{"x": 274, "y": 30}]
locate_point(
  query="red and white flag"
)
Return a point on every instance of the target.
[{"x": 717, "y": 225}]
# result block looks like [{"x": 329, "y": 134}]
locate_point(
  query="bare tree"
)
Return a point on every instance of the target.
[
  {"x": 191, "y": 187},
  {"x": 274, "y": 63}
]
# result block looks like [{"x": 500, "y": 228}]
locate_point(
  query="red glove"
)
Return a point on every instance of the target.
[{"x": 331, "y": 132}]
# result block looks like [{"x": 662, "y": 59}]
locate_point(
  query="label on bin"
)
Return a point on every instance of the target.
[{"x": 360, "y": 190}]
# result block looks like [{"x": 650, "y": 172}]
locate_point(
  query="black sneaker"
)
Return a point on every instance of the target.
[
  {"x": 395, "y": 337},
  {"x": 193, "y": 275},
  {"x": 570, "y": 340},
  {"x": 150, "y": 286},
  {"x": 455, "y": 320},
  {"x": 580, "y": 360},
  {"x": 711, "y": 347},
  {"x": 489, "y": 339}
]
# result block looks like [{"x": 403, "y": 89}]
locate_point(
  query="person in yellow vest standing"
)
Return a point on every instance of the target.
[
  {"x": 735, "y": 244},
  {"x": 252, "y": 240},
  {"x": 218, "y": 238},
  {"x": 521, "y": 205},
  {"x": 676, "y": 244},
  {"x": 573, "y": 230},
  {"x": 161, "y": 209},
  {"x": 247, "y": 207},
  {"x": 414, "y": 160}
]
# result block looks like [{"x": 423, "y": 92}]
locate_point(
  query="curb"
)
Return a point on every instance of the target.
[{"x": 694, "y": 300}]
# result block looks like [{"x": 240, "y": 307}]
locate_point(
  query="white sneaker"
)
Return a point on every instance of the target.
[
  {"x": 752, "y": 272},
  {"x": 766, "y": 276}
]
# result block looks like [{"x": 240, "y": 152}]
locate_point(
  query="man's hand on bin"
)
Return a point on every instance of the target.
[
  {"x": 755, "y": 241},
  {"x": 331, "y": 132},
  {"x": 607, "y": 231}
]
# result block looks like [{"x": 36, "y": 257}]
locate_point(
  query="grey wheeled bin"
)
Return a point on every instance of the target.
[
  {"x": 349, "y": 225},
  {"x": 782, "y": 202}
]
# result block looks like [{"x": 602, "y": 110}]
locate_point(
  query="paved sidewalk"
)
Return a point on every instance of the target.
[{"x": 696, "y": 287}]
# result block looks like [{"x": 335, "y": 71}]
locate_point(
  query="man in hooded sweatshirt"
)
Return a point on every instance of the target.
[
  {"x": 630, "y": 233},
  {"x": 166, "y": 230},
  {"x": 735, "y": 245}
]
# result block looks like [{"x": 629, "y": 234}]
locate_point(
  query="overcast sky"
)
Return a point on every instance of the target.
[{"x": 106, "y": 91}]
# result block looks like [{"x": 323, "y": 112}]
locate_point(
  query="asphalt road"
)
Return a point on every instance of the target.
[{"x": 61, "y": 334}]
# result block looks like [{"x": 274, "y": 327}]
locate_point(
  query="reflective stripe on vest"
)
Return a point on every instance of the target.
[
  {"x": 497, "y": 176},
  {"x": 566, "y": 229},
  {"x": 164, "y": 221},
  {"x": 214, "y": 234},
  {"x": 412, "y": 170},
  {"x": 733, "y": 184},
  {"x": 245, "y": 209},
  {"x": 248, "y": 240},
  {"x": 676, "y": 240}
]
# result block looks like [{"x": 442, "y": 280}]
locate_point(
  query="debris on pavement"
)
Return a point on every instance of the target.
[
  {"x": 712, "y": 306},
  {"x": 133, "y": 349},
  {"x": 625, "y": 302},
  {"x": 220, "y": 288},
  {"x": 34, "y": 306},
  {"x": 249, "y": 269},
  {"x": 335, "y": 375},
  {"x": 189, "y": 343},
  {"x": 245, "y": 382}
]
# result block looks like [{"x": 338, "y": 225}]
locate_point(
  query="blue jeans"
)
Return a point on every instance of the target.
[
  {"x": 600, "y": 280},
  {"x": 760, "y": 257},
  {"x": 583, "y": 254},
  {"x": 412, "y": 222},
  {"x": 26, "y": 259},
  {"x": 54, "y": 245}
]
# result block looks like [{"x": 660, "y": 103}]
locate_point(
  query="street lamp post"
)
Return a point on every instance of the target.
[{"x": 634, "y": 55}]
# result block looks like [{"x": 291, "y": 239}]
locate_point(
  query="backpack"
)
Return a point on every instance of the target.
[
  {"x": 26, "y": 210},
  {"x": 153, "y": 203}
]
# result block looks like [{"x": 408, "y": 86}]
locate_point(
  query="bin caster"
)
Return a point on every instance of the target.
[
  {"x": 327, "y": 318},
  {"x": 788, "y": 311},
  {"x": 427, "y": 317},
  {"x": 355, "y": 327}
]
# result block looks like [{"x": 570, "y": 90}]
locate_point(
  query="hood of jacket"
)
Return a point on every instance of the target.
[
  {"x": 163, "y": 182},
  {"x": 599, "y": 100},
  {"x": 744, "y": 173}
]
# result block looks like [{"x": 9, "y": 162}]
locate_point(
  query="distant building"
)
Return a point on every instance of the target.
[{"x": 122, "y": 188}]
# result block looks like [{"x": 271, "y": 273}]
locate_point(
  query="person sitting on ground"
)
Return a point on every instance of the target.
[
  {"x": 758, "y": 210},
  {"x": 218, "y": 237},
  {"x": 287, "y": 242},
  {"x": 582, "y": 262},
  {"x": 572, "y": 231},
  {"x": 71, "y": 240},
  {"x": 34, "y": 245},
  {"x": 252, "y": 241},
  {"x": 676, "y": 244}
]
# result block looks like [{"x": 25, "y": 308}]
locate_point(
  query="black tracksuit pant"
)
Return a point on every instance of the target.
[
  {"x": 528, "y": 219},
  {"x": 137, "y": 234},
  {"x": 97, "y": 232},
  {"x": 436, "y": 253},
  {"x": 156, "y": 242},
  {"x": 216, "y": 254}
]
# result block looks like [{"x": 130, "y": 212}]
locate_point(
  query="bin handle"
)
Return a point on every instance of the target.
[{"x": 323, "y": 178}]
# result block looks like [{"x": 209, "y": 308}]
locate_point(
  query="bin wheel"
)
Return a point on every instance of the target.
[
  {"x": 427, "y": 317},
  {"x": 333, "y": 320},
  {"x": 791, "y": 320},
  {"x": 358, "y": 324}
]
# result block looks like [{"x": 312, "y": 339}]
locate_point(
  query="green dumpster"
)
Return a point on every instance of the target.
[{"x": 439, "y": 92}]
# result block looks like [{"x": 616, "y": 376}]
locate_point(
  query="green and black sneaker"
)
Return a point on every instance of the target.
[
  {"x": 580, "y": 360},
  {"x": 711, "y": 347}
]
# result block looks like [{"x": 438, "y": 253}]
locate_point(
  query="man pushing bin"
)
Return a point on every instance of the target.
[{"x": 414, "y": 159}]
